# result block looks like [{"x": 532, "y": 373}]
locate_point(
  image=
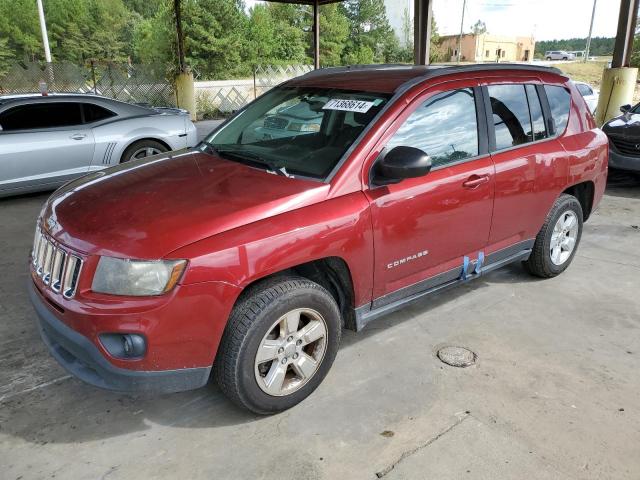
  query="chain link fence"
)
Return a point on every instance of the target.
[
  {"x": 221, "y": 97},
  {"x": 145, "y": 84}
]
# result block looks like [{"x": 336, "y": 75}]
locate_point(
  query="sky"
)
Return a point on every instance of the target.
[{"x": 544, "y": 19}]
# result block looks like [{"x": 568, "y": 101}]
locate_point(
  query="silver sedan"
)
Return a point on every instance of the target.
[{"x": 46, "y": 141}]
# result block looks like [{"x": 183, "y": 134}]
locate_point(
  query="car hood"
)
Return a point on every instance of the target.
[
  {"x": 147, "y": 209},
  {"x": 626, "y": 126}
]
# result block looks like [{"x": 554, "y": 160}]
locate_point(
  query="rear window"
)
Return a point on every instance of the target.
[
  {"x": 94, "y": 113},
  {"x": 560, "y": 103}
]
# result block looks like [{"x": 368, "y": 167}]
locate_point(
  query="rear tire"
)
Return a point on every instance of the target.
[
  {"x": 142, "y": 149},
  {"x": 557, "y": 242},
  {"x": 279, "y": 343}
]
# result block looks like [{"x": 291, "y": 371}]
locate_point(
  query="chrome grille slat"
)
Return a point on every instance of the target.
[
  {"x": 71, "y": 274},
  {"x": 46, "y": 264},
  {"x": 58, "y": 268}
]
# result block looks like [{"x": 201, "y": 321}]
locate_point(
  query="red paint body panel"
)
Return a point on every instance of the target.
[
  {"x": 150, "y": 209},
  {"x": 236, "y": 224}
]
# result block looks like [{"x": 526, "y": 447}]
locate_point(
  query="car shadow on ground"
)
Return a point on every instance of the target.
[
  {"x": 76, "y": 412},
  {"x": 623, "y": 184}
]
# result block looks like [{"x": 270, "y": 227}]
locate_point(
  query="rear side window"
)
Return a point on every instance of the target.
[
  {"x": 559, "y": 103},
  {"x": 585, "y": 90},
  {"x": 445, "y": 127},
  {"x": 41, "y": 115},
  {"x": 537, "y": 118},
  {"x": 511, "y": 120},
  {"x": 94, "y": 113}
]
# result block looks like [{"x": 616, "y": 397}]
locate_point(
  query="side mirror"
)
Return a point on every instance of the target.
[
  {"x": 400, "y": 163},
  {"x": 625, "y": 108}
]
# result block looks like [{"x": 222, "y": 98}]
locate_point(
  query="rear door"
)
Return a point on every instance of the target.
[
  {"x": 424, "y": 227},
  {"x": 529, "y": 163},
  {"x": 43, "y": 143}
]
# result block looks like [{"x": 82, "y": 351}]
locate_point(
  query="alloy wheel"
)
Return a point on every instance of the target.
[
  {"x": 564, "y": 237},
  {"x": 145, "y": 152},
  {"x": 291, "y": 352}
]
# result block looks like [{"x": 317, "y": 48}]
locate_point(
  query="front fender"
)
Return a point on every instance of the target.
[{"x": 339, "y": 227}]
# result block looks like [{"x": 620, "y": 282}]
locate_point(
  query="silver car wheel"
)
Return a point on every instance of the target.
[
  {"x": 145, "y": 152},
  {"x": 291, "y": 352},
  {"x": 564, "y": 237}
]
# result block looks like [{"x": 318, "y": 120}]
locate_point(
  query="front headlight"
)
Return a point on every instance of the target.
[{"x": 136, "y": 278}]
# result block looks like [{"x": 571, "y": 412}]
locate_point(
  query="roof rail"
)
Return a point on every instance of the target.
[{"x": 424, "y": 72}]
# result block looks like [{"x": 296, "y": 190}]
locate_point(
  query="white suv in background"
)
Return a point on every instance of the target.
[{"x": 559, "y": 55}]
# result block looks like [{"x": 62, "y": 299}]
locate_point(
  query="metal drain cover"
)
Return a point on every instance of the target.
[{"x": 457, "y": 356}]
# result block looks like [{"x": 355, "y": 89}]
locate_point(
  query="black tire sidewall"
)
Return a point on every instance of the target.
[
  {"x": 566, "y": 204},
  {"x": 315, "y": 299}
]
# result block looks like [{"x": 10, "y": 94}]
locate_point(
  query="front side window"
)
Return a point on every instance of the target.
[
  {"x": 41, "y": 115},
  {"x": 511, "y": 120},
  {"x": 444, "y": 127},
  {"x": 559, "y": 103},
  {"x": 297, "y": 130}
]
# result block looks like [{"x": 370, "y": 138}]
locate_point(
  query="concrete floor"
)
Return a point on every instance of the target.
[{"x": 555, "y": 393}]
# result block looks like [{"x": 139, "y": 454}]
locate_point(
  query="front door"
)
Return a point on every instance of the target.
[
  {"x": 425, "y": 227},
  {"x": 42, "y": 144}
]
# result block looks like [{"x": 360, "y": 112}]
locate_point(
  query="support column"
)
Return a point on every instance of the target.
[
  {"x": 316, "y": 34},
  {"x": 422, "y": 16},
  {"x": 618, "y": 82}
]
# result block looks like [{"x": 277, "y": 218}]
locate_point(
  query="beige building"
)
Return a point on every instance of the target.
[{"x": 485, "y": 47}]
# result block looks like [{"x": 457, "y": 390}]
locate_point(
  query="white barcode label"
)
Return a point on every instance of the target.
[{"x": 359, "y": 106}]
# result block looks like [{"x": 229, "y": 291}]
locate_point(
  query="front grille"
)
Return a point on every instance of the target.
[
  {"x": 278, "y": 123},
  {"x": 58, "y": 268},
  {"x": 626, "y": 147}
]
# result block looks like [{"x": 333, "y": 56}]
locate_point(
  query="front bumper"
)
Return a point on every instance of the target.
[
  {"x": 80, "y": 357},
  {"x": 623, "y": 162}
]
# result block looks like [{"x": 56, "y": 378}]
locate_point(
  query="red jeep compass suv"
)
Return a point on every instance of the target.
[{"x": 248, "y": 254}]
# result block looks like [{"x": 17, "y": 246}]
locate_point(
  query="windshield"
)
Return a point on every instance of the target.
[{"x": 297, "y": 130}]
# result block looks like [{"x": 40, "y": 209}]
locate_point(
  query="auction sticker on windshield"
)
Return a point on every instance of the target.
[{"x": 360, "y": 106}]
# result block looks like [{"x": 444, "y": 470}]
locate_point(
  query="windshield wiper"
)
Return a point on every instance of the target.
[{"x": 251, "y": 157}]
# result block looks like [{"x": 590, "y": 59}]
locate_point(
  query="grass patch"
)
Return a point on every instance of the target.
[{"x": 589, "y": 72}]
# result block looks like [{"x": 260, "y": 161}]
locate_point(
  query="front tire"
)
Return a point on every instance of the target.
[
  {"x": 281, "y": 340},
  {"x": 557, "y": 242}
]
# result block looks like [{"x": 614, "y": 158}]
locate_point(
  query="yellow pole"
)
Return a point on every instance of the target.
[
  {"x": 186, "y": 93},
  {"x": 616, "y": 89}
]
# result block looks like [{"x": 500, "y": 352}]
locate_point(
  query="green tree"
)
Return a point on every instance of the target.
[
  {"x": 154, "y": 38},
  {"x": 479, "y": 28},
  {"x": 292, "y": 41},
  {"x": 262, "y": 36},
  {"x": 369, "y": 30},
  {"x": 6, "y": 56},
  {"x": 18, "y": 28},
  {"x": 78, "y": 29},
  {"x": 334, "y": 32}
]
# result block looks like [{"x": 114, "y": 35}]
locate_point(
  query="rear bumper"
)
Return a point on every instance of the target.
[
  {"x": 80, "y": 357},
  {"x": 623, "y": 162}
]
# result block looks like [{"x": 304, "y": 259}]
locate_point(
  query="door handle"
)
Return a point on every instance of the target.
[
  {"x": 78, "y": 136},
  {"x": 474, "y": 181}
]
